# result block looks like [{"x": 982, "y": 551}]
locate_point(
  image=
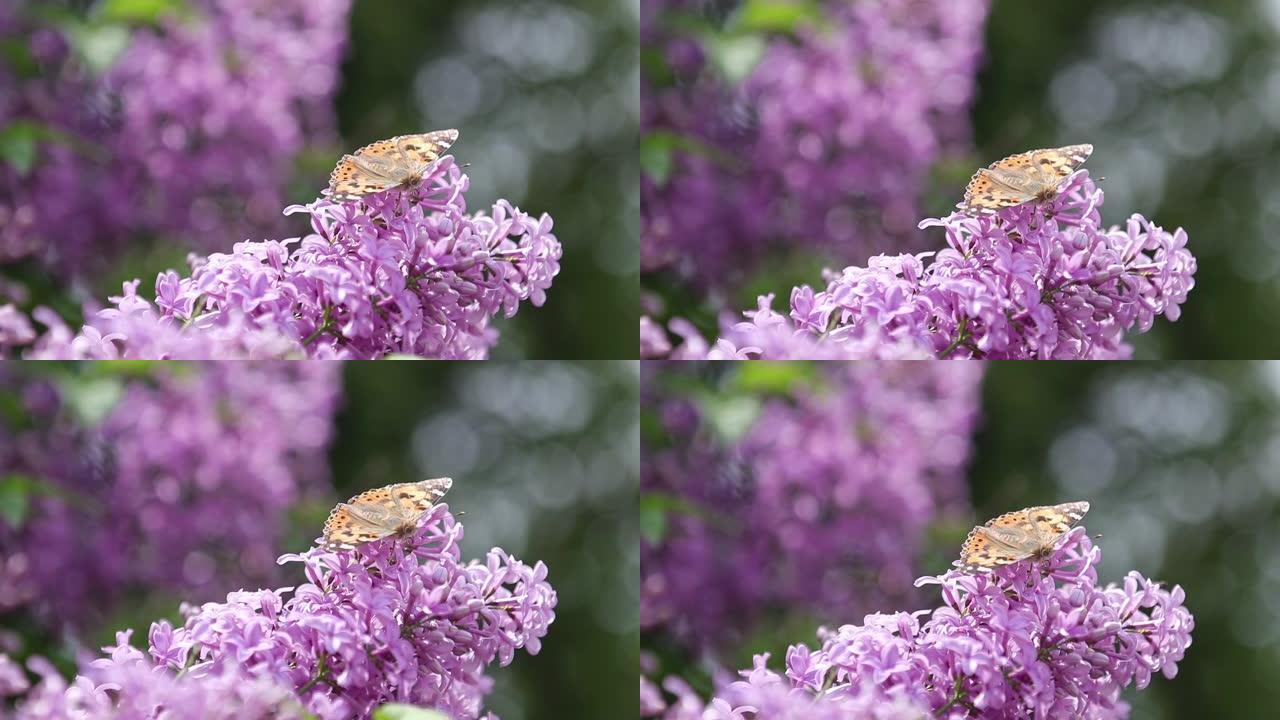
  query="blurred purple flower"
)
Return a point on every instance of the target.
[
  {"x": 827, "y": 142},
  {"x": 392, "y": 621},
  {"x": 1036, "y": 639},
  {"x": 768, "y": 334},
  {"x": 12, "y": 680},
  {"x": 765, "y": 694},
  {"x": 653, "y": 342},
  {"x": 182, "y": 483},
  {"x": 128, "y": 687},
  {"x": 399, "y": 272},
  {"x": 15, "y": 328},
  {"x": 191, "y": 133},
  {"x": 1042, "y": 282},
  {"x": 830, "y": 487}
]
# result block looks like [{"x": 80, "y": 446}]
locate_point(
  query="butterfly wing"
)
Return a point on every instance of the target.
[
  {"x": 986, "y": 194},
  {"x": 982, "y": 551},
  {"x": 1018, "y": 535},
  {"x": 380, "y": 512},
  {"x": 1053, "y": 521},
  {"x": 347, "y": 527},
  {"x": 385, "y": 164},
  {"x": 353, "y": 178},
  {"x": 413, "y": 500},
  {"x": 1022, "y": 177},
  {"x": 1003, "y": 540},
  {"x": 419, "y": 151},
  {"x": 1056, "y": 164}
]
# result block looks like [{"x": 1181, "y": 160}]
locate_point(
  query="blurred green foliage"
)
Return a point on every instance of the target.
[{"x": 396, "y": 711}]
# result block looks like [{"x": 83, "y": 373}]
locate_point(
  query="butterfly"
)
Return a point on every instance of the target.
[
  {"x": 1019, "y": 535},
  {"x": 1022, "y": 178},
  {"x": 398, "y": 162},
  {"x": 382, "y": 512}
]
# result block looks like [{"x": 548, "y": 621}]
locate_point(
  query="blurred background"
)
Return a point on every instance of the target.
[
  {"x": 1180, "y": 98},
  {"x": 1177, "y": 459},
  {"x": 141, "y": 130},
  {"x": 105, "y": 526}
]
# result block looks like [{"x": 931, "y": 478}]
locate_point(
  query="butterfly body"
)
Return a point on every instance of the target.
[
  {"x": 1026, "y": 534},
  {"x": 1032, "y": 176},
  {"x": 398, "y": 162},
  {"x": 382, "y": 512}
]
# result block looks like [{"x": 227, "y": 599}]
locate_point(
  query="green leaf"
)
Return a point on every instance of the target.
[
  {"x": 98, "y": 45},
  {"x": 656, "y": 150},
  {"x": 773, "y": 377},
  {"x": 18, "y": 145},
  {"x": 735, "y": 56},
  {"x": 16, "y": 53},
  {"x": 141, "y": 11},
  {"x": 654, "y": 67},
  {"x": 19, "y": 140},
  {"x": 397, "y": 711},
  {"x": 653, "y": 518},
  {"x": 784, "y": 16},
  {"x": 730, "y": 416},
  {"x": 129, "y": 368},
  {"x": 15, "y": 493},
  {"x": 91, "y": 398}
]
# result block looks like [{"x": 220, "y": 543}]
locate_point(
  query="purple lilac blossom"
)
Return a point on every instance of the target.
[
  {"x": 186, "y": 480},
  {"x": 391, "y": 621},
  {"x": 407, "y": 272},
  {"x": 1029, "y": 282},
  {"x": 828, "y": 142},
  {"x": 831, "y": 486},
  {"x": 128, "y": 687},
  {"x": 653, "y": 341},
  {"x": 765, "y": 694},
  {"x": 12, "y": 680},
  {"x": 191, "y": 133},
  {"x": 1036, "y": 639}
]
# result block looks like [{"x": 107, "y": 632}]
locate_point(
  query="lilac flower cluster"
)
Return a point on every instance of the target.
[
  {"x": 765, "y": 694},
  {"x": 392, "y": 621},
  {"x": 398, "y": 272},
  {"x": 190, "y": 132},
  {"x": 1038, "y": 639},
  {"x": 178, "y": 479},
  {"x": 828, "y": 141},
  {"x": 127, "y": 687},
  {"x": 1034, "y": 281},
  {"x": 830, "y": 486}
]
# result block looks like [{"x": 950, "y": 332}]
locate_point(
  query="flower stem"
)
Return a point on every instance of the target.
[
  {"x": 956, "y": 699},
  {"x": 322, "y": 329},
  {"x": 320, "y": 675},
  {"x": 962, "y": 334}
]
